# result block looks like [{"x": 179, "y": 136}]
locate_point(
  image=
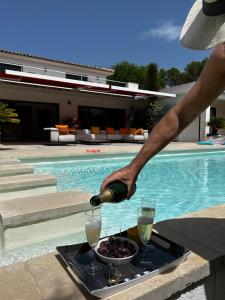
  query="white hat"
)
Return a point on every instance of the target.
[{"x": 205, "y": 25}]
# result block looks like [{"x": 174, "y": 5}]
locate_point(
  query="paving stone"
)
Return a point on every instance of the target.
[
  {"x": 29, "y": 220},
  {"x": 20, "y": 182},
  {"x": 16, "y": 283},
  {"x": 16, "y": 169},
  {"x": 52, "y": 279},
  {"x": 28, "y": 210},
  {"x": 9, "y": 161}
]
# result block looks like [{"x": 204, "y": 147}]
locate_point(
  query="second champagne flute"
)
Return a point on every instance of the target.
[{"x": 145, "y": 217}]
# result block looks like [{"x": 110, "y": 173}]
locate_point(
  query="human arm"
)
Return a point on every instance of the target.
[{"x": 210, "y": 84}]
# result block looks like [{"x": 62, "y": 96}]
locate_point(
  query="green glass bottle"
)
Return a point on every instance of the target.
[{"x": 115, "y": 192}]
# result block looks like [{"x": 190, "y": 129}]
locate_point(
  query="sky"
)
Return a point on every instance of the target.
[{"x": 99, "y": 32}]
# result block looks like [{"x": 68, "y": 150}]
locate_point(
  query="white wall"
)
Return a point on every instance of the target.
[
  {"x": 61, "y": 97},
  {"x": 39, "y": 66},
  {"x": 191, "y": 133}
]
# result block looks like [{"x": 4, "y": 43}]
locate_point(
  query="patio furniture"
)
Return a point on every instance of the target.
[
  {"x": 138, "y": 136},
  {"x": 53, "y": 136},
  {"x": 114, "y": 135},
  {"x": 86, "y": 135}
]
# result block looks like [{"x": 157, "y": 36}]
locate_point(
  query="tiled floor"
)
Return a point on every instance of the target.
[{"x": 40, "y": 150}]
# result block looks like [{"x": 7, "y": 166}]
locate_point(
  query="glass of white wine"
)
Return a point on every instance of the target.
[
  {"x": 93, "y": 224},
  {"x": 145, "y": 218}
]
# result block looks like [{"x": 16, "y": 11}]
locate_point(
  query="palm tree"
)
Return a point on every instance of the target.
[
  {"x": 216, "y": 123},
  {"x": 7, "y": 115}
]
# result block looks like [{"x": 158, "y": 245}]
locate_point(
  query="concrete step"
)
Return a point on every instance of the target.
[
  {"x": 26, "y": 185},
  {"x": 34, "y": 219},
  {"x": 10, "y": 161},
  {"x": 15, "y": 169}
]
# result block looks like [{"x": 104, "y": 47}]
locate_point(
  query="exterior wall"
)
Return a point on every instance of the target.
[
  {"x": 63, "y": 98},
  {"x": 191, "y": 133},
  {"x": 43, "y": 67}
]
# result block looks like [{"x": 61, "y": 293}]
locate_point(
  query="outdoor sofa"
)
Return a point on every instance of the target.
[
  {"x": 116, "y": 136},
  {"x": 54, "y": 136},
  {"x": 83, "y": 135},
  {"x": 64, "y": 135}
]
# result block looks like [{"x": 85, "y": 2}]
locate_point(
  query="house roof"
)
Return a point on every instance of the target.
[
  {"x": 11, "y": 76},
  {"x": 56, "y": 61}
]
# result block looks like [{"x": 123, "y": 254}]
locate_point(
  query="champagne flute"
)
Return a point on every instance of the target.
[
  {"x": 145, "y": 217},
  {"x": 93, "y": 230}
]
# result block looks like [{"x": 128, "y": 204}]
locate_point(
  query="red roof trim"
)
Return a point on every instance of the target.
[{"x": 67, "y": 85}]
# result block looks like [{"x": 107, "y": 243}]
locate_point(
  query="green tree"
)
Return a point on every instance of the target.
[
  {"x": 151, "y": 80},
  {"x": 162, "y": 78},
  {"x": 7, "y": 115},
  {"x": 153, "y": 113},
  {"x": 173, "y": 77},
  {"x": 127, "y": 72},
  {"x": 193, "y": 70}
]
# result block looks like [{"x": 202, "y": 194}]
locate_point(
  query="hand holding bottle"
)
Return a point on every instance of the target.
[{"x": 126, "y": 175}]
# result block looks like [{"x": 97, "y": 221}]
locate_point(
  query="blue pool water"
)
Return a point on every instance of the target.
[{"x": 180, "y": 183}]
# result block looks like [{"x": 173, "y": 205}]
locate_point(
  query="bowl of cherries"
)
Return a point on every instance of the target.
[{"x": 116, "y": 250}]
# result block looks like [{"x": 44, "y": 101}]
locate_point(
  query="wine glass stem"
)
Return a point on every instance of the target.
[{"x": 92, "y": 266}]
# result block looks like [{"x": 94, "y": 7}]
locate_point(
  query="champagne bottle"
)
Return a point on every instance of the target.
[{"x": 115, "y": 192}]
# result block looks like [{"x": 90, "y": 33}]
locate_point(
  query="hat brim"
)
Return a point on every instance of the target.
[{"x": 200, "y": 31}]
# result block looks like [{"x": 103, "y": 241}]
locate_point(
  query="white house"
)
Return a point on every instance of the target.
[
  {"x": 197, "y": 130},
  {"x": 45, "y": 92}
]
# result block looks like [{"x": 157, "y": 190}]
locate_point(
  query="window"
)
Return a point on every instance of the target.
[
  {"x": 76, "y": 77},
  {"x": 4, "y": 67},
  {"x": 212, "y": 112},
  {"x": 102, "y": 117}
]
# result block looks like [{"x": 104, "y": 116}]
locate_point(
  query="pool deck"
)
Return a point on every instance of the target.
[
  {"x": 203, "y": 272},
  {"x": 41, "y": 151},
  {"x": 201, "y": 276}
]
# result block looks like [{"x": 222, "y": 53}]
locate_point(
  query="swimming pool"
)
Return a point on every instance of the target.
[{"x": 180, "y": 183}]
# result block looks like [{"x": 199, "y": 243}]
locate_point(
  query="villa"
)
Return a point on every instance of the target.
[
  {"x": 46, "y": 92},
  {"x": 45, "y": 190}
]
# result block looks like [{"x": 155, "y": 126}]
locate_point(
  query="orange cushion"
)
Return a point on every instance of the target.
[
  {"x": 132, "y": 130},
  {"x": 123, "y": 130},
  {"x": 95, "y": 130},
  {"x": 110, "y": 130},
  {"x": 139, "y": 131},
  {"x": 63, "y": 129}
]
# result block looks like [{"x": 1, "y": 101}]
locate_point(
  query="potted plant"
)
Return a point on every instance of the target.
[
  {"x": 7, "y": 115},
  {"x": 153, "y": 110},
  {"x": 216, "y": 123}
]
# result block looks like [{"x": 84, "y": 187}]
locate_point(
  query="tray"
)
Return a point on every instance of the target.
[{"x": 165, "y": 255}]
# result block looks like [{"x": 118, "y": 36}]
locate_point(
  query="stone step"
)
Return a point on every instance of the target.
[
  {"x": 26, "y": 185},
  {"x": 34, "y": 219},
  {"x": 10, "y": 161},
  {"x": 15, "y": 169}
]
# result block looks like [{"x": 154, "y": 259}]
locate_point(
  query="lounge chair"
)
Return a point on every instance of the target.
[
  {"x": 53, "y": 136},
  {"x": 138, "y": 136}
]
